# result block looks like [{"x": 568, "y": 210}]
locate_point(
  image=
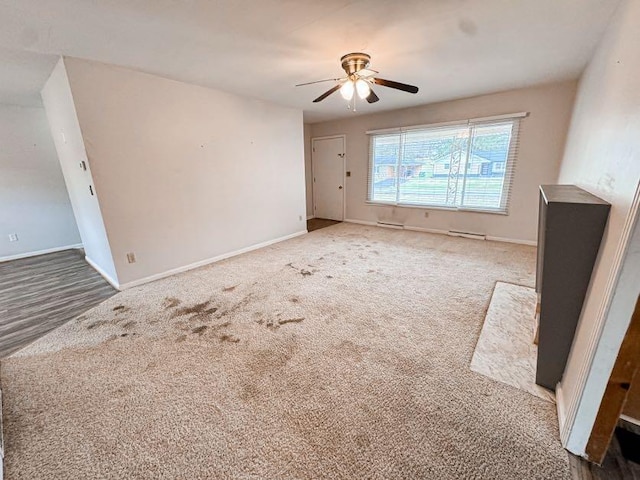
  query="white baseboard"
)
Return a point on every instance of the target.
[
  {"x": 207, "y": 261},
  {"x": 531, "y": 243},
  {"x": 360, "y": 222},
  {"x": 404, "y": 227},
  {"x": 309, "y": 217},
  {"x": 427, "y": 230},
  {"x": 563, "y": 428},
  {"x": 562, "y": 418},
  {"x": 39, "y": 252},
  {"x": 106, "y": 276},
  {"x": 444, "y": 232}
]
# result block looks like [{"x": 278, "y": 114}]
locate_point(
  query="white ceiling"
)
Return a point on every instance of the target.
[{"x": 262, "y": 48}]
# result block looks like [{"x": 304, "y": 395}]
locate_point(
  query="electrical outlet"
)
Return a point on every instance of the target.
[
  {"x": 300, "y": 217},
  {"x": 13, "y": 237},
  {"x": 131, "y": 257}
]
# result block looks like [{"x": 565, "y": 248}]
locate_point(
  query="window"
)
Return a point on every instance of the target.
[{"x": 463, "y": 166}]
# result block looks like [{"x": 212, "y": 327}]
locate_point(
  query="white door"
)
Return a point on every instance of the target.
[{"x": 327, "y": 158}]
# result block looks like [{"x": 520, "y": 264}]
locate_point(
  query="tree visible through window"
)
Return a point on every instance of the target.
[{"x": 466, "y": 166}]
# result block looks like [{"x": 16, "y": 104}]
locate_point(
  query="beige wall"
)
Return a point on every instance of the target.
[
  {"x": 603, "y": 157},
  {"x": 34, "y": 203},
  {"x": 542, "y": 140},
  {"x": 308, "y": 172},
  {"x": 186, "y": 174},
  {"x": 67, "y": 137}
]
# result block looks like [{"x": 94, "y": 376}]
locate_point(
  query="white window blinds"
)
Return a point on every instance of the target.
[{"x": 467, "y": 165}]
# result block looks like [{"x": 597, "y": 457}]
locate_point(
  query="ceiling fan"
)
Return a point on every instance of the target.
[{"x": 359, "y": 80}]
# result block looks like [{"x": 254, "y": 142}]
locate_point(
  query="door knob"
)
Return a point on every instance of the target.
[{"x": 340, "y": 187}]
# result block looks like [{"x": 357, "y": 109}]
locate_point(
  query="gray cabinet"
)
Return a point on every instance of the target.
[{"x": 571, "y": 223}]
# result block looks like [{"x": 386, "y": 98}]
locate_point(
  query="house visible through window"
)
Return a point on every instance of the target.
[{"x": 465, "y": 166}]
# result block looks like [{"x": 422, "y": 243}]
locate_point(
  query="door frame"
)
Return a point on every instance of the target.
[
  {"x": 625, "y": 372},
  {"x": 578, "y": 408},
  {"x": 344, "y": 171}
]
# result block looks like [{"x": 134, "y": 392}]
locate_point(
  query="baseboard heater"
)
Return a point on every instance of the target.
[
  {"x": 475, "y": 236},
  {"x": 397, "y": 226}
]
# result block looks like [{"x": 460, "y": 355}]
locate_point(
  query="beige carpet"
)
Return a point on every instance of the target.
[{"x": 341, "y": 354}]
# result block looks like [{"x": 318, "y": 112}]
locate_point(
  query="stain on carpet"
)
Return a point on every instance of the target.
[
  {"x": 274, "y": 325},
  {"x": 265, "y": 361},
  {"x": 290, "y": 320},
  {"x": 249, "y": 391},
  {"x": 97, "y": 324},
  {"x": 230, "y": 289},
  {"x": 271, "y": 325},
  {"x": 302, "y": 271},
  {"x": 198, "y": 311},
  {"x": 241, "y": 304},
  {"x": 228, "y": 338},
  {"x": 171, "y": 302},
  {"x": 199, "y": 330}
]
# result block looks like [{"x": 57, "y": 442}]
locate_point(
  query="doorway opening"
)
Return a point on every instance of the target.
[
  {"x": 328, "y": 168},
  {"x": 318, "y": 223}
]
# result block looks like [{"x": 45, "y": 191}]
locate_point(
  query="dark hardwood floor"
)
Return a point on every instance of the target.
[
  {"x": 317, "y": 223},
  {"x": 38, "y": 294},
  {"x": 614, "y": 467}
]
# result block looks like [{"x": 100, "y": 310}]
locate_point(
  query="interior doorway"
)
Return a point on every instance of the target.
[
  {"x": 328, "y": 165},
  {"x": 318, "y": 223}
]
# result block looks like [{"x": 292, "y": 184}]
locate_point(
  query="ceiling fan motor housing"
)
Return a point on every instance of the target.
[{"x": 354, "y": 62}]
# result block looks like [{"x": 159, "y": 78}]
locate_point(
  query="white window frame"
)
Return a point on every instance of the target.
[{"x": 509, "y": 169}]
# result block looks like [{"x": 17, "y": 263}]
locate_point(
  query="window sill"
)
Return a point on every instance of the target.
[{"x": 435, "y": 207}]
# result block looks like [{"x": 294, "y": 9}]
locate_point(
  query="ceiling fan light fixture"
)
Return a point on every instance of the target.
[
  {"x": 347, "y": 89},
  {"x": 363, "y": 89},
  {"x": 359, "y": 80}
]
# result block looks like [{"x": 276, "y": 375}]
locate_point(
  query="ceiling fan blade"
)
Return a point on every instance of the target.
[
  {"x": 318, "y": 81},
  {"x": 397, "y": 85},
  {"x": 372, "y": 98},
  {"x": 327, "y": 93},
  {"x": 366, "y": 73}
]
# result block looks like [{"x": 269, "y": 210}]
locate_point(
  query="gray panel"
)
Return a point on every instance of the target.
[{"x": 572, "y": 223}]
